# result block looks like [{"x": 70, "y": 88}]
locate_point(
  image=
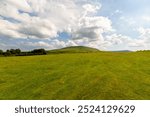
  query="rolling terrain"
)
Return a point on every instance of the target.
[
  {"x": 76, "y": 73},
  {"x": 74, "y": 49}
]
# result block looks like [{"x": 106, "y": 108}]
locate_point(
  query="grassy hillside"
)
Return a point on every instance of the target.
[
  {"x": 74, "y": 49},
  {"x": 103, "y": 75}
]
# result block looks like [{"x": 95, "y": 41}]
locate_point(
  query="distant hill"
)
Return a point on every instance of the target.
[
  {"x": 74, "y": 49},
  {"x": 122, "y": 51}
]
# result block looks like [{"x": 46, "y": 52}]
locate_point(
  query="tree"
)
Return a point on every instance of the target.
[
  {"x": 18, "y": 51},
  {"x": 1, "y": 52},
  {"x": 7, "y": 53},
  {"x": 39, "y": 52},
  {"x": 12, "y": 51}
]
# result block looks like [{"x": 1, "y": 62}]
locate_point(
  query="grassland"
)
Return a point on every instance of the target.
[
  {"x": 100, "y": 75},
  {"x": 73, "y": 49}
]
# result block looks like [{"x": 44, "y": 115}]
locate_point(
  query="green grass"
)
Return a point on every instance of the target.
[
  {"x": 74, "y": 49},
  {"x": 103, "y": 75}
]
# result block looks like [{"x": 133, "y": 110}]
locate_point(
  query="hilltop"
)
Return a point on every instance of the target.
[{"x": 74, "y": 49}]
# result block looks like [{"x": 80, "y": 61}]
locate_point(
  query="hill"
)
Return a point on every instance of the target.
[
  {"x": 74, "y": 49},
  {"x": 122, "y": 51}
]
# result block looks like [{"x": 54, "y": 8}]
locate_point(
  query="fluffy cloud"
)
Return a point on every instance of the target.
[
  {"x": 40, "y": 18},
  {"x": 38, "y": 23},
  {"x": 126, "y": 42},
  {"x": 92, "y": 28},
  {"x": 143, "y": 40},
  {"x": 116, "y": 39},
  {"x": 8, "y": 29},
  {"x": 44, "y": 19}
]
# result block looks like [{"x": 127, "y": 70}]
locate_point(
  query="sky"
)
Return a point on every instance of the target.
[{"x": 51, "y": 24}]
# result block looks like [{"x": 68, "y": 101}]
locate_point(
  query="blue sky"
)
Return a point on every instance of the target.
[
  {"x": 51, "y": 24},
  {"x": 131, "y": 10}
]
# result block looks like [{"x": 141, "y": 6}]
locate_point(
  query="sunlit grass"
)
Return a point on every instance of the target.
[{"x": 103, "y": 75}]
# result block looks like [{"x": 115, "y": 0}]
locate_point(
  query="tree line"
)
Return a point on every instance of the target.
[{"x": 18, "y": 52}]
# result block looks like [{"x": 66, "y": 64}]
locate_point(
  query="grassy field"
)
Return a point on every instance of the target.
[
  {"x": 74, "y": 49},
  {"x": 101, "y": 75}
]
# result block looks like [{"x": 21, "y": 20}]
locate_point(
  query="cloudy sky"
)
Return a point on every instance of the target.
[{"x": 51, "y": 24}]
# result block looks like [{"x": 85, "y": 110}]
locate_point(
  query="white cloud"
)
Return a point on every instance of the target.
[
  {"x": 92, "y": 28},
  {"x": 10, "y": 9},
  {"x": 51, "y": 44},
  {"x": 144, "y": 38},
  {"x": 39, "y": 44},
  {"x": 144, "y": 32},
  {"x": 116, "y": 12},
  {"x": 140, "y": 43},
  {"x": 90, "y": 8},
  {"x": 146, "y": 18},
  {"x": 8, "y": 29},
  {"x": 40, "y": 18},
  {"x": 115, "y": 39},
  {"x": 45, "y": 19},
  {"x": 128, "y": 20}
]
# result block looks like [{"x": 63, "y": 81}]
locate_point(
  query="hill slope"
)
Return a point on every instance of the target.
[{"x": 74, "y": 49}]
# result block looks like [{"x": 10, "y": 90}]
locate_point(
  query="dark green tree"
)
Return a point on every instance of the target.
[
  {"x": 12, "y": 51},
  {"x": 7, "y": 53},
  {"x": 18, "y": 51},
  {"x": 39, "y": 52},
  {"x": 1, "y": 52}
]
